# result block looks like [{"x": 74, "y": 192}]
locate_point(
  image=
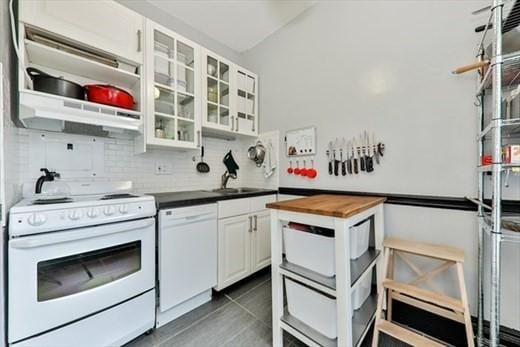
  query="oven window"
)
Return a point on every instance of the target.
[{"x": 77, "y": 273}]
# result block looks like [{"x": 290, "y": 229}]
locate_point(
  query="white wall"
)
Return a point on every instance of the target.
[{"x": 384, "y": 66}]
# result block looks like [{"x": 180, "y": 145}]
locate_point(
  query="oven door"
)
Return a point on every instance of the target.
[{"x": 60, "y": 277}]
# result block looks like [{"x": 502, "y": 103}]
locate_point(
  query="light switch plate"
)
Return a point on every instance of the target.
[{"x": 162, "y": 168}]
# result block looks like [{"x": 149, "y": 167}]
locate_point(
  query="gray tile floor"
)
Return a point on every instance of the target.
[{"x": 238, "y": 316}]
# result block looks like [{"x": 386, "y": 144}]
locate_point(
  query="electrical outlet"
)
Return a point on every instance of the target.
[{"x": 163, "y": 169}]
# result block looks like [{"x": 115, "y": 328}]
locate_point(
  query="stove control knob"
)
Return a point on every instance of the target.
[
  {"x": 74, "y": 215},
  {"x": 36, "y": 219},
  {"x": 123, "y": 209},
  {"x": 109, "y": 210},
  {"x": 92, "y": 213}
]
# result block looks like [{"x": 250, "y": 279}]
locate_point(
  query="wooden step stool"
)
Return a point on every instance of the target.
[{"x": 409, "y": 293}]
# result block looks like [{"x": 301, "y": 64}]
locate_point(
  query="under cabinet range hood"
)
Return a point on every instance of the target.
[
  {"x": 73, "y": 61},
  {"x": 53, "y": 113}
]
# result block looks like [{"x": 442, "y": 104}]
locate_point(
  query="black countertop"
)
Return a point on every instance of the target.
[{"x": 200, "y": 197}]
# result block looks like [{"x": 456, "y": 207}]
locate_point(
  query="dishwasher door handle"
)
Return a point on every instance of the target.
[{"x": 169, "y": 216}]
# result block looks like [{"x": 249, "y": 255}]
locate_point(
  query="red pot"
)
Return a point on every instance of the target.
[{"x": 109, "y": 95}]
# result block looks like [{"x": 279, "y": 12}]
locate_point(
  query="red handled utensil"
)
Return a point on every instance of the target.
[
  {"x": 297, "y": 169},
  {"x": 312, "y": 172},
  {"x": 304, "y": 170}
]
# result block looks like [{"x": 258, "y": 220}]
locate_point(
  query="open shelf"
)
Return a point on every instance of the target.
[
  {"x": 318, "y": 281},
  {"x": 489, "y": 168},
  {"x": 307, "y": 331},
  {"x": 510, "y": 128},
  {"x": 358, "y": 267},
  {"x": 36, "y": 104},
  {"x": 510, "y": 72},
  {"x": 164, "y": 115},
  {"x": 506, "y": 235},
  {"x": 56, "y": 59},
  {"x": 361, "y": 265},
  {"x": 363, "y": 318},
  {"x": 361, "y": 321}
]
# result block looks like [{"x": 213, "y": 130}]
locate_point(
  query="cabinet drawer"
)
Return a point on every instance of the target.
[
  {"x": 237, "y": 207},
  {"x": 258, "y": 203},
  {"x": 233, "y": 207}
]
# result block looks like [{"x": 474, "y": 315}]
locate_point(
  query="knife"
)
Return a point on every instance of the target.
[
  {"x": 336, "y": 162},
  {"x": 329, "y": 156},
  {"x": 355, "y": 156},
  {"x": 361, "y": 153},
  {"x": 349, "y": 157},
  {"x": 381, "y": 148},
  {"x": 369, "y": 158},
  {"x": 342, "y": 150},
  {"x": 374, "y": 148}
]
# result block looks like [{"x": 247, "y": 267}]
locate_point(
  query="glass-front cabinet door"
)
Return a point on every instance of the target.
[
  {"x": 217, "y": 86},
  {"x": 247, "y": 102},
  {"x": 173, "y": 75}
]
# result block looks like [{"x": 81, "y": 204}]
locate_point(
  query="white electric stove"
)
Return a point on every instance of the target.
[{"x": 81, "y": 269}]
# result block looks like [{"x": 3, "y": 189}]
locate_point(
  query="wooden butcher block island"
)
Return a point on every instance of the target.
[
  {"x": 342, "y": 206},
  {"x": 326, "y": 256}
]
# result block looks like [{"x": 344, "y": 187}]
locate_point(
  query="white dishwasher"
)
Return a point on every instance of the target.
[{"x": 187, "y": 266}]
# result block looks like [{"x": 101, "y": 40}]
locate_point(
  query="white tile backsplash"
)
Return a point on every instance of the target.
[{"x": 120, "y": 163}]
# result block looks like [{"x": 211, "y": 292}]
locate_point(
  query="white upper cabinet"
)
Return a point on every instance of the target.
[
  {"x": 217, "y": 83},
  {"x": 101, "y": 24},
  {"x": 86, "y": 43},
  {"x": 173, "y": 89},
  {"x": 230, "y": 97},
  {"x": 178, "y": 87},
  {"x": 246, "y": 102}
]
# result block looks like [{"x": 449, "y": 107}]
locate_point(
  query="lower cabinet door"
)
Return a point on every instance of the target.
[
  {"x": 261, "y": 241},
  {"x": 234, "y": 251}
]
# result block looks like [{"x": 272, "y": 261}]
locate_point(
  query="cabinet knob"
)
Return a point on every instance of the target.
[{"x": 109, "y": 210}]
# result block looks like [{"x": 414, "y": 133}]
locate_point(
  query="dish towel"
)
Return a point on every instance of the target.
[
  {"x": 269, "y": 164},
  {"x": 231, "y": 164}
]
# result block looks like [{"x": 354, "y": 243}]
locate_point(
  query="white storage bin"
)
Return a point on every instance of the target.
[
  {"x": 359, "y": 238},
  {"x": 318, "y": 310},
  {"x": 362, "y": 292},
  {"x": 312, "y": 308},
  {"x": 311, "y": 251}
]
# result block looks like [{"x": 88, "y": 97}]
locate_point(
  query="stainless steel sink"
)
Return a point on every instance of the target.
[{"x": 235, "y": 190}]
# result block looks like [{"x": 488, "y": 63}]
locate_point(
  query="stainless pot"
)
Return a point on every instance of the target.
[{"x": 257, "y": 153}]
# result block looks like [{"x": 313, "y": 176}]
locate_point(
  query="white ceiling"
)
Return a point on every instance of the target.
[{"x": 239, "y": 24}]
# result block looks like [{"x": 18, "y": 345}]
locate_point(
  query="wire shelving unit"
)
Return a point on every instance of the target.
[{"x": 502, "y": 72}]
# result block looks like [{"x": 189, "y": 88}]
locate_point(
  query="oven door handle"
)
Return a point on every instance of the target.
[{"x": 80, "y": 234}]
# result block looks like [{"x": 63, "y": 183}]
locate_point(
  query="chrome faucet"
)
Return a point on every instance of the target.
[{"x": 224, "y": 180}]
